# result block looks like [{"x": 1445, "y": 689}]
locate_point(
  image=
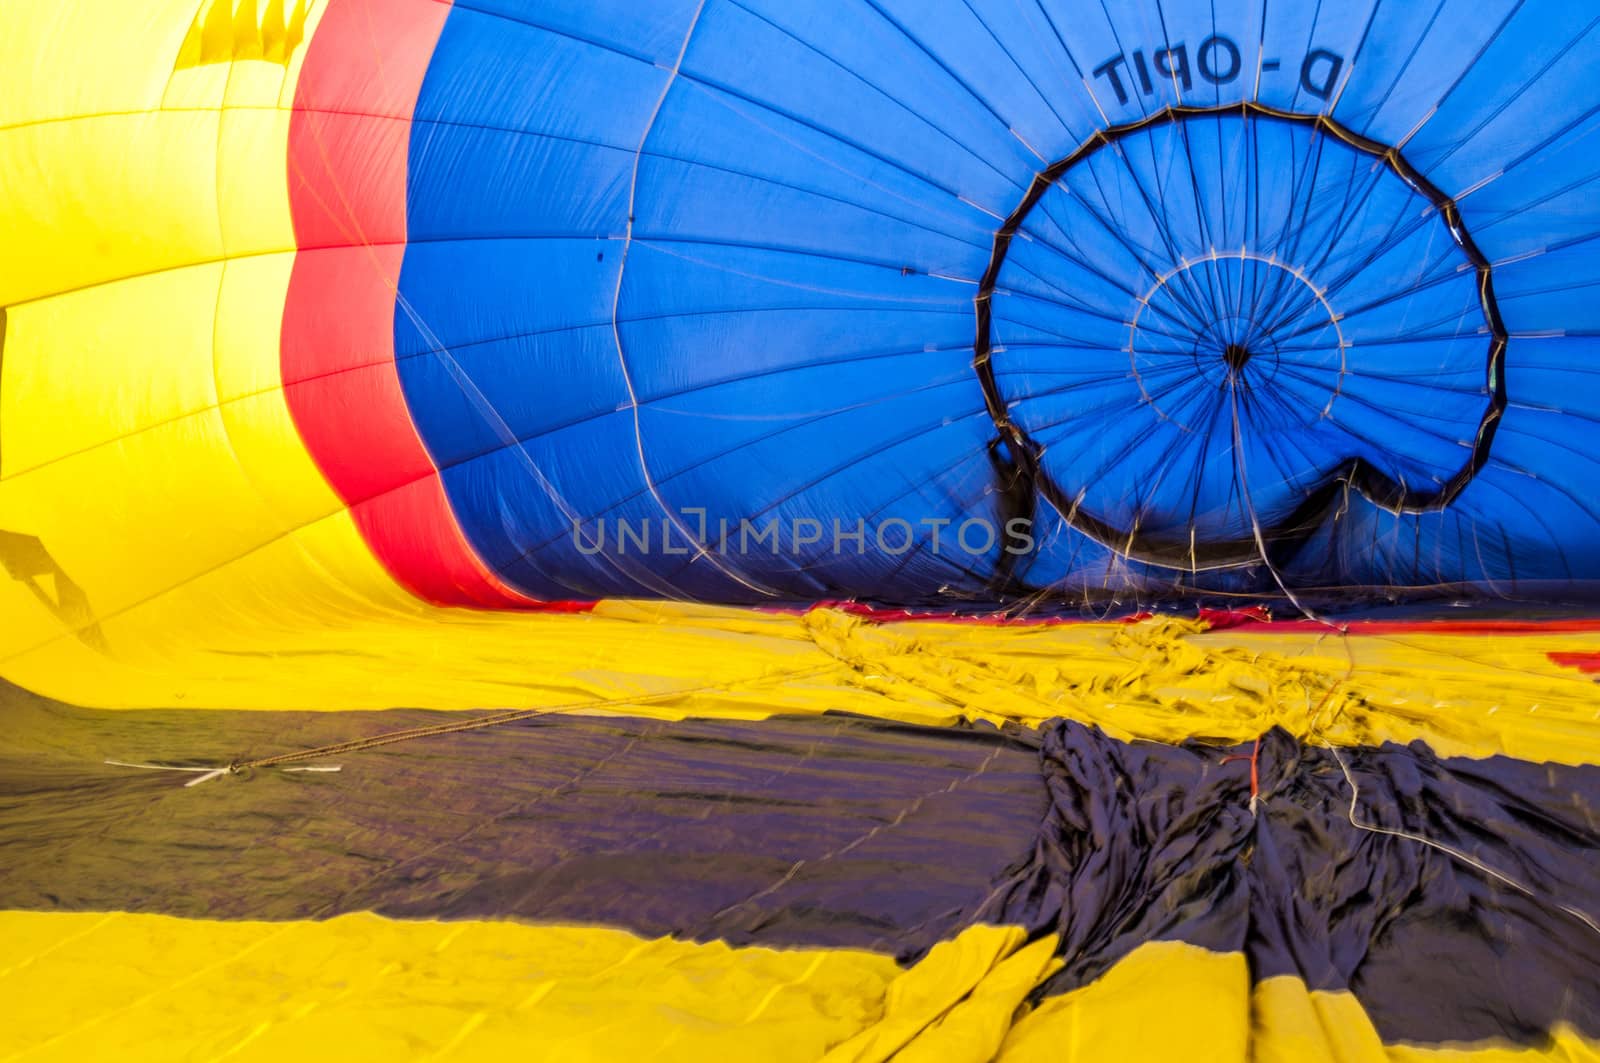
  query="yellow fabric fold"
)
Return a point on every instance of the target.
[
  {"x": 958, "y": 1002},
  {"x": 1164, "y": 680},
  {"x": 144, "y": 987},
  {"x": 359, "y": 987}
]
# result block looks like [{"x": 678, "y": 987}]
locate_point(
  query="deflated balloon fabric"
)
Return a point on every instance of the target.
[
  {"x": 1449, "y": 896},
  {"x": 320, "y": 320}
]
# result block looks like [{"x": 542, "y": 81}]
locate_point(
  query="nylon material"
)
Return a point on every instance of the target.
[
  {"x": 552, "y": 552},
  {"x": 1538, "y": 302},
  {"x": 399, "y": 506},
  {"x": 1461, "y": 695},
  {"x": 1496, "y": 98},
  {"x": 1287, "y": 859},
  {"x": 53, "y": 505},
  {"x": 167, "y": 174},
  {"x": 636, "y": 823},
  {"x": 515, "y": 77},
  {"x": 593, "y": 389},
  {"x": 817, "y": 325},
  {"x": 684, "y": 201},
  {"x": 207, "y": 988},
  {"x": 102, "y": 321},
  {"x": 166, "y": 540},
  {"x": 862, "y": 478},
  {"x": 1298, "y": 32},
  {"x": 1423, "y": 69},
  {"x": 515, "y": 344},
  {"x": 1191, "y": 988},
  {"x": 252, "y": 208},
  {"x": 42, "y": 39},
  {"x": 1533, "y": 364},
  {"x": 1451, "y": 307},
  {"x": 759, "y": 279},
  {"x": 171, "y": 171},
  {"x": 338, "y": 371},
  {"x": 652, "y": 34},
  {"x": 1006, "y": 64},
  {"x": 1358, "y": 226},
  {"x": 934, "y": 100},
  {"x": 705, "y": 126},
  {"x": 1243, "y": 848},
  {"x": 777, "y": 72},
  {"x": 1042, "y": 271},
  {"x": 772, "y": 441},
  {"x": 976, "y": 1027},
  {"x": 512, "y": 204},
  {"x": 146, "y": 987},
  {"x": 928, "y": 994},
  {"x": 1293, "y": 1022},
  {"x": 1408, "y": 61},
  {"x": 1545, "y": 205},
  {"x": 496, "y": 304}
]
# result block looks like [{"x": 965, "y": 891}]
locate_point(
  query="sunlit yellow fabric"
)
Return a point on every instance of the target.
[
  {"x": 1295, "y": 1025},
  {"x": 260, "y": 640},
  {"x": 135, "y": 987},
  {"x": 1171, "y": 1001},
  {"x": 1164, "y": 1001},
  {"x": 958, "y": 1002},
  {"x": 360, "y": 987}
]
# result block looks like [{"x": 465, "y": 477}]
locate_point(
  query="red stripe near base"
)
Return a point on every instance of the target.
[
  {"x": 1255, "y": 617},
  {"x": 348, "y": 155},
  {"x": 1587, "y": 663}
]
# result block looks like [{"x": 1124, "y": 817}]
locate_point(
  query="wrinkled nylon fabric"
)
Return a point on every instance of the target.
[
  {"x": 1469, "y": 692},
  {"x": 150, "y": 987},
  {"x": 1369, "y": 870},
  {"x": 1473, "y": 878}
]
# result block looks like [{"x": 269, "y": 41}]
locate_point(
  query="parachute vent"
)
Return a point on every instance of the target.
[{"x": 224, "y": 31}]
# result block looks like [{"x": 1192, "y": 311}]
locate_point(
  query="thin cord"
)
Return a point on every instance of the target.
[
  {"x": 359, "y": 745},
  {"x": 1355, "y": 793}
]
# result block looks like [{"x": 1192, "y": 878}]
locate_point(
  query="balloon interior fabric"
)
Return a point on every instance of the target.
[{"x": 851, "y": 529}]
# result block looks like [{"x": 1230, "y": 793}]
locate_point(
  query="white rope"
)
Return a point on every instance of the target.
[
  {"x": 205, "y": 774},
  {"x": 1355, "y": 793},
  {"x": 208, "y": 773},
  {"x": 632, "y": 404}
]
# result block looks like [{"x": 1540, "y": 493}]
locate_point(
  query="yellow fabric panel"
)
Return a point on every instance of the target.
[
  {"x": 958, "y": 1002},
  {"x": 141, "y": 139},
  {"x": 220, "y": 34},
  {"x": 359, "y": 987},
  {"x": 144, "y": 441},
  {"x": 975, "y": 1028},
  {"x": 1171, "y": 1001},
  {"x": 1566, "y": 1046},
  {"x": 1296, "y": 1025},
  {"x": 1164, "y": 1001},
  {"x": 216, "y": 641},
  {"x": 316, "y": 598}
]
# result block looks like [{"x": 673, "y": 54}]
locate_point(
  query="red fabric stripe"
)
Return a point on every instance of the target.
[
  {"x": 348, "y": 141},
  {"x": 1587, "y": 663},
  {"x": 1219, "y": 619}
]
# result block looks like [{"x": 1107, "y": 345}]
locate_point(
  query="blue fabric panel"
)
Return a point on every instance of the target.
[{"x": 683, "y": 265}]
